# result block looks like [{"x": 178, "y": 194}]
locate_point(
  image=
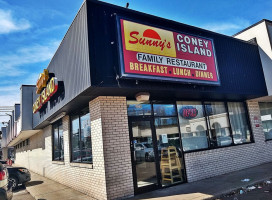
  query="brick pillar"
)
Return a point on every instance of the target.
[
  {"x": 254, "y": 112},
  {"x": 66, "y": 139},
  {"x": 109, "y": 125}
]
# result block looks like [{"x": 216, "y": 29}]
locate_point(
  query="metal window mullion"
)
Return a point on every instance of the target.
[
  {"x": 249, "y": 122},
  {"x": 207, "y": 119},
  {"x": 53, "y": 143},
  {"x": 180, "y": 144},
  {"x": 230, "y": 126},
  {"x": 58, "y": 140},
  {"x": 80, "y": 146}
]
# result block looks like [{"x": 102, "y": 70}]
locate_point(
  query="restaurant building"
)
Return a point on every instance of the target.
[{"x": 132, "y": 102}]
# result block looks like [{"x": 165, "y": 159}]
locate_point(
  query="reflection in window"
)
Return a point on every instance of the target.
[
  {"x": 266, "y": 112},
  {"x": 143, "y": 153},
  {"x": 164, "y": 109},
  {"x": 86, "y": 145},
  {"x": 219, "y": 132},
  {"x": 58, "y": 153},
  {"x": 238, "y": 120},
  {"x": 192, "y": 125},
  {"x": 135, "y": 108},
  {"x": 81, "y": 138}
]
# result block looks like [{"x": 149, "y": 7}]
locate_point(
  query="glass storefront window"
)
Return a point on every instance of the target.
[
  {"x": 86, "y": 144},
  {"x": 239, "y": 125},
  {"x": 192, "y": 125},
  {"x": 55, "y": 144},
  {"x": 205, "y": 125},
  {"x": 58, "y": 153},
  {"x": 76, "y": 157},
  {"x": 266, "y": 117},
  {"x": 81, "y": 138},
  {"x": 135, "y": 108},
  {"x": 219, "y": 131}
]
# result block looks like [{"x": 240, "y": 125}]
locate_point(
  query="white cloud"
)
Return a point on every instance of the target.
[
  {"x": 51, "y": 29},
  {"x": 9, "y": 24},
  {"x": 227, "y": 27},
  {"x": 9, "y": 89},
  {"x": 16, "y": 62}
]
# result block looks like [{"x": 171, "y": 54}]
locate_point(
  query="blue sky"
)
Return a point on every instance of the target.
[{"x": 31, "y": 30}]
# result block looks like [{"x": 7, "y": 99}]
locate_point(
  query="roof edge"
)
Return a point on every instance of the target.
[{"x": 257, "y": 23}]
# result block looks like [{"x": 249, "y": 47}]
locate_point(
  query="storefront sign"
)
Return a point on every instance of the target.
[
  {"x": 41, "y": 82},
  {"x": 50, "y": 89},
  {"x": 188, "y": 112},
  {"x": 153, "y": 53}
]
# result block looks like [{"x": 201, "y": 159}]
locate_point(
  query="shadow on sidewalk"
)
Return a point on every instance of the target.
[{"x": 33, "y": 183}]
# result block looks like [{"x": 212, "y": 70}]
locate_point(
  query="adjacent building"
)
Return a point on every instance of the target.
[
  {"x": 132, "y": 102},
  {"x": 261, "y": 33}
]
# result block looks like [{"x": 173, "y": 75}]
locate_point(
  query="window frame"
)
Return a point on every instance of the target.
[
  {"x": 231, "y": 133},
  {"x": 206, "y": 120},
  {"x": 78, "y": 116},
  {"x": 58, "y": 124},
  {"x": 266, "y": 140},
  {"x": 209, "y": 127}
]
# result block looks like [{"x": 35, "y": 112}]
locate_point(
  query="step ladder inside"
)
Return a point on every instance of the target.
[{"x": 170, "y": 165}]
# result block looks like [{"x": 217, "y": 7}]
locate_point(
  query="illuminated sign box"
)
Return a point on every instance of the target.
[{"x": 147, "y": 52}]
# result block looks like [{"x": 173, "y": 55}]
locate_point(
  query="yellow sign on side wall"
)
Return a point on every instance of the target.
[{"x": 41, "y": 82}]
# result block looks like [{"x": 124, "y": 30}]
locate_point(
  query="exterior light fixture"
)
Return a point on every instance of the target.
[
  {"x": 142, "y": 96},
  {"x": 61, "y": 115}
]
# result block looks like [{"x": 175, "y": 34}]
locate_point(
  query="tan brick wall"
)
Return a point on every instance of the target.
[
  {"x": 110, "y": 176},
  {"x": 86, "y": 178},
  {"x": 112, "y": 113},
  {"x": 205, "y": 164}
]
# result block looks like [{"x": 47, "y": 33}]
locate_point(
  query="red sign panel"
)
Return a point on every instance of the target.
[{"x": 153, "y": 53}]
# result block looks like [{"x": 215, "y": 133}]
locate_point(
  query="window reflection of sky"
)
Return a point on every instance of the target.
[
  {"x": 139, "y": 109},
  {"x": 164, "y": 110},
  {"x": 145, "y": 109}
]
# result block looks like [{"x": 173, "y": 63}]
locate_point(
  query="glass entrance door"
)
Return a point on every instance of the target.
[
  {"x": 156, "y": 149},
  {"x": 143, "y": 155}
]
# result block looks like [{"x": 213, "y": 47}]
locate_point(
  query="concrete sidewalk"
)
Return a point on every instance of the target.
[
  {"x": 212, "y": 187},
  {"x": 45, "y": 189}
]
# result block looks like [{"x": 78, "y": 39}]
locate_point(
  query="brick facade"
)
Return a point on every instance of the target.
[
  {"x": 86, "y": 178},
  {"x": 110, "y": 175},
  {"x": 110, "y": 113}
]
